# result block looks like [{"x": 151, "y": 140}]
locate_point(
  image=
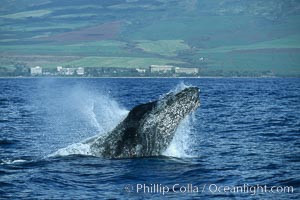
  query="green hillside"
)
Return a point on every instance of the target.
[{"x": 222, "y": 37}]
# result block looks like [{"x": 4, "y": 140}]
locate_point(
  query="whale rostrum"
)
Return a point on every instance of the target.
[{"x": 148, "y": 128}]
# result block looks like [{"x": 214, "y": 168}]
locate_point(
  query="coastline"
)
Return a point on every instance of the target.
[{"x": 150, "y": 77}]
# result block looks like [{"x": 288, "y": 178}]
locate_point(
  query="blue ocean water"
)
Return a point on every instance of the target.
[{"x": 246, "y": 133}]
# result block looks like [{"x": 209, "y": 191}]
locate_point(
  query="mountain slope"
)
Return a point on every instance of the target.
[{"x": 221, "y": 37}]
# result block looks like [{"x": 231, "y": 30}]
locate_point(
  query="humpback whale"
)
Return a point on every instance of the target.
[{"x": 148, "y": 128}]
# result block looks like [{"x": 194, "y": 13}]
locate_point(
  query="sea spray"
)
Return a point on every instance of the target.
[
  {"x": 183, "y": 141},
  {"x": 179, "y": 87},
  {"x": 101, "y": 111},
  {"x": 73, "y": 112}
]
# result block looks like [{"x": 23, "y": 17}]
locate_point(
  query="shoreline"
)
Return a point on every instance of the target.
[{"x": 150, "y": 77}]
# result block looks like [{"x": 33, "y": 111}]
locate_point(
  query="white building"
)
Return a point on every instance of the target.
[
  {"x": 69, "y": 71},
  {"x": 59, "y": 68},
  {"x": 161, "y": 68},
  {"x": 35, "y": 71},
  {"x": 80, "y": 71},
  {"x": 140, "y": 70},
  {"x": 181, "y": 70}
]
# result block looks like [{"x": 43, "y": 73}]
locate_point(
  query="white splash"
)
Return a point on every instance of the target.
[
  {"x": 182, "y": 142},
  {"x": 179, "y": 87},
  {"x": 9, "y": 162},
  {"x": 73, "y": 149},
  {"x": 85, "y": 114},
  {"x": 101, "y": 111}
]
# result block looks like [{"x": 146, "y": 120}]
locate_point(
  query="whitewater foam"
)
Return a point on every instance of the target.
[
  {"x": 73, "y": 149},
  {"x": 9, "y": 161}
]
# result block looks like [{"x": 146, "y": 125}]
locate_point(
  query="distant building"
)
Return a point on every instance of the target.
[
  {"x": 180, "y": 70},
  {"x": 69, "y": 71},
  {"x": 35, "y": 71},
  {"x": 59, "y": 68},
  {"x": 140, "y": 70},
  {"x": 161, "y": 68},
  {"x": 80, "y": 71}
]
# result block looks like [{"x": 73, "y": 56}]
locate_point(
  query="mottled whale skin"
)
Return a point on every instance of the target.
[{"x": 149, "y": 128}]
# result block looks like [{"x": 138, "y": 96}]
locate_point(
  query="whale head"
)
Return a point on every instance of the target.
[
  {"x": 182, "y": 102},
  {"x": 159, "y": 127},
  {"x": 149, "y": 128}
]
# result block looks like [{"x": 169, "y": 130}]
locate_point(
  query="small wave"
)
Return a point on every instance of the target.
[
  {"x": 7, "y": 142},
  {"x": 11, "y": 161}
]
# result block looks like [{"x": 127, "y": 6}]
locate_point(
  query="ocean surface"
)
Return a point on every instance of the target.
[{"x": 244, "y": 138}]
